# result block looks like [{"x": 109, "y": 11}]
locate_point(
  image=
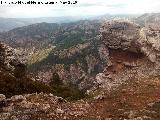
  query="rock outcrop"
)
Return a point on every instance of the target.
[
  {"x": 150, "y": 43},
  {"x": 121, "y": 35},
  {"x": 10, "y": 59},
  {"x": 133, "y": 53},
  {"x": 41, "y": 106}
]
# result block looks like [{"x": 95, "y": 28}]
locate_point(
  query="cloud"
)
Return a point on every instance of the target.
[{"x": 102, "y": 4}]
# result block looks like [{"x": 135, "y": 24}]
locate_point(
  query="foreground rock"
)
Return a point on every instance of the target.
[
  {"x": 128, "y": 102},
  {"x": 41, "y": 106}
]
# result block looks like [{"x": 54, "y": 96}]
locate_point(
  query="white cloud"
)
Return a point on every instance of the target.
[{"x": 82, "y": 8}]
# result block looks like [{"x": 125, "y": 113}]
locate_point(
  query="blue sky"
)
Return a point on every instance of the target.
[{"x": 82, "y": 8}]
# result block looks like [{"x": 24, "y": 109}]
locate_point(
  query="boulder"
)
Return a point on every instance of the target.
[
  {"x": 2, "y": 97},
  {"x": 121, "y": 35}
]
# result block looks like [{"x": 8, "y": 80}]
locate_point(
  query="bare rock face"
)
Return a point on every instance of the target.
[
  {"x": 9, "y": 58},
  {"x": 150, "y": 43},
  {"x": 2, "y": 97},
  {"x": 103, "y": 53},
  {"x": 121, "y": 35},
  {"x": 130, "y": 37}
]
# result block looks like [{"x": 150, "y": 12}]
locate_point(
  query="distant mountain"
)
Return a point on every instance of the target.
[
  {"x": 10, "y": 23},
  {"x": 148, "y": 18},
  {"x": 7, "y": 24},
  {"x": 48, "y": 33}
]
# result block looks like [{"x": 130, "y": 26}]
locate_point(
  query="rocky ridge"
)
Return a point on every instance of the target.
[{"x": 133, "y": 53}]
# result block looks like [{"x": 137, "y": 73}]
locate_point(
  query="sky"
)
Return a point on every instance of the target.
[{"x": 82, "y": 8}]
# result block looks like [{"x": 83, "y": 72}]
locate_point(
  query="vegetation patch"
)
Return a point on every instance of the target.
[
  {"x": 67, "y": 92},
  {"x": 11, "y": 85},
  {"x": 38, "y": 55}
]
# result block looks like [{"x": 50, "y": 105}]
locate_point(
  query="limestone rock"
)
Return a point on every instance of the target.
[
  {"x": 59, "y": 111},
  {"x": 2, "y": 97},
  {"x": 121, "y": 35},
  {"x": 18, "y": 98}
]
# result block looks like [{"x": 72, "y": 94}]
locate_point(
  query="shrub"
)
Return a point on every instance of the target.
[
  {"x": 20, "y": 70},
  {"x": 55, "y": 80},
  {"x": 10, "y": 85}
]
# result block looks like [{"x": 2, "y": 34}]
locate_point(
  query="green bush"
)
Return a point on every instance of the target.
[
  {"x": 10, "y": 85},
  {"x": 69, "y": 92}
]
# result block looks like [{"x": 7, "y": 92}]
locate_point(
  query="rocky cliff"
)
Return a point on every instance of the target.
[{"x": 133, "y": 53}]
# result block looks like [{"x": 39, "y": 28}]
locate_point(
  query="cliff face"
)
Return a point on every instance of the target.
[
  {"x": 150, "y": 43},
  {"x": 133, "y": 53}
]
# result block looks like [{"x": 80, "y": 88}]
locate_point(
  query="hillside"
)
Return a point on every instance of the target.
[
  {"x": 85, "y": 70},
  {"x": 14, "y": 79},
  {"x": 148, "y": 18},
  {"x": 41, "y": 33}
]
